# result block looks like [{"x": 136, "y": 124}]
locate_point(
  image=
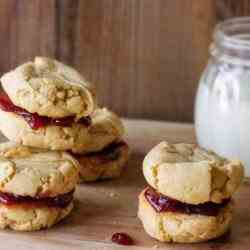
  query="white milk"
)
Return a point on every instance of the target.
[
  {"x": 222, "y": 109},
  {"x": 222, "y": 115}
]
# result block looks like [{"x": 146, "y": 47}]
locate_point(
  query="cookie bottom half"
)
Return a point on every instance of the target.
[
  {"x": 105, "y": 164},
  {"x": 181, "y": 227},
  {"x": 31, "y": 218},
  {"x": 104, "y": 129}
]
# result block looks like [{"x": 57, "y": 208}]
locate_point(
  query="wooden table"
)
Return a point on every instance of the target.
[{"x": 106, "y": 207}]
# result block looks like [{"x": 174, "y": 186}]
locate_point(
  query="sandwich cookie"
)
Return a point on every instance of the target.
[
  {"x": 106, "y": 134},
  {"x": 36, "y": 186},
  {"x": 49, "y": 88},
  {"x": 189, "y": 197}
]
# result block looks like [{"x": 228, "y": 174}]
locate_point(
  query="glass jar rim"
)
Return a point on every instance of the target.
[{"x": 232, "y": 33}]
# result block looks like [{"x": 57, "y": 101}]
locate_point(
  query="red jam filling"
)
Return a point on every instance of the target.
[
  {"x": 60, "y": 201},
  {"x": 109, "y": 153},
  {"x": 36, "y": 121},
  {"x": 162, "y": 203},
  {"x": 122, "y": 239}
]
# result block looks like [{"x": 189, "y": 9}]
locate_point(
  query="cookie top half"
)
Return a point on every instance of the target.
[
  {"x": 49, "y": 88},
  {"x": 190, "y": 174},
  {"x": 36, "y": 173}
]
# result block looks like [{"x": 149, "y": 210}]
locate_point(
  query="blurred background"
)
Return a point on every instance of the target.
[{"x": 145, "y": 56}]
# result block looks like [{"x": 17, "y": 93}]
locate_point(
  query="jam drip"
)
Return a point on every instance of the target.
[
  {"x": 162, "y": 203},
  {"x": 60, "y": 201},
  {"x": 36, "y": 121},
  {"x": 122, "y": 239}
]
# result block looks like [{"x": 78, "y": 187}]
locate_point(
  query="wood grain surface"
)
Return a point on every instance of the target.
[
  {"x": 145, "y": 56},
  {"x": 103, "y": 208}
]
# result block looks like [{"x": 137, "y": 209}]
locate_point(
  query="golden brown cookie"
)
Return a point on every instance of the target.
[
  {"x": 49, "y": 88},
  {"x": 181, "y": 227},
  {"x": 34, "y": 172},
  {"x": 105, "y": 164},
  {"x": 190, "y": 174}
]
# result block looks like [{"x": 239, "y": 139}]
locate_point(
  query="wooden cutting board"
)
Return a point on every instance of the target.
[{"x": 106, "y": 207}]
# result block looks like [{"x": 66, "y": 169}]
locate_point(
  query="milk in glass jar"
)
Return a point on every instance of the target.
[{"x": 222, "y": 108}]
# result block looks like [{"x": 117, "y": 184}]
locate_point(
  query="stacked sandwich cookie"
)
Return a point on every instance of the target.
[
  {"x": 189, "y": 193},
  {"x": 48, "y": 106},
  {"x": 36, "y": 186}
]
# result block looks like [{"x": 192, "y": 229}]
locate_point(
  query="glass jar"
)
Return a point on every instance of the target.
[{"x": 222, "y": 107}]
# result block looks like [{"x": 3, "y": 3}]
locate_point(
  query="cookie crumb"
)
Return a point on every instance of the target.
[{"x": 155, "y": 246}]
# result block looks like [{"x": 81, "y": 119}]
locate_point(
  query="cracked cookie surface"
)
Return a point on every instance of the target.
[
  {"x": 35, "y": 172},
  {"x": 190, "y": 174},
  {"x": 49, "y": 88},
  {"x": 103, "y": 165},
  {"x": 106, "y": 127},
  {"x": 182, "y": 228}
]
